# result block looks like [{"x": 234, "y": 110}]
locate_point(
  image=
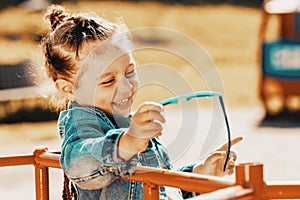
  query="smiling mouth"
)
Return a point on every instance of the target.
[{"x": 122, "y": 103}]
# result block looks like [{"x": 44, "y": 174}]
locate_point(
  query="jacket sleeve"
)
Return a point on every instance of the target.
[{"x": 89, "y": 154}]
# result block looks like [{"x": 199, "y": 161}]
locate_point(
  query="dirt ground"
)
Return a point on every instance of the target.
[{"x": 277, "y": 148}]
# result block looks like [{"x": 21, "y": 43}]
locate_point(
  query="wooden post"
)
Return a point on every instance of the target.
[
  {"x": 151, "y": 191},
  {"x": 37, "y": 183},
  {"x": 41, "y": 176},
  {"x": 251, "y": 175}
]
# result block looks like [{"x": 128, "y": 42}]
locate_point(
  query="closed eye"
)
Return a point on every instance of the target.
[
  {"x": 107, "y": 82},
  {"x": 130, "y": 73}
]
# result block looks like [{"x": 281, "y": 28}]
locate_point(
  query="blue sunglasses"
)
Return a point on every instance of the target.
[{"x": 205, "y": 94}]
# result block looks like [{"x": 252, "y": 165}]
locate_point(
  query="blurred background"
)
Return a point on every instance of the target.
[
  {"x": 230, "y": 32},
  {"x": 230, "y": 42}
]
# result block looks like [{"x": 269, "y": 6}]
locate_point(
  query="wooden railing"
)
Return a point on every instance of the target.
[{"x": 249, "y": 181}]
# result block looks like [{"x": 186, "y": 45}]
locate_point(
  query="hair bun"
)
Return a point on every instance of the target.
[{"x": 55, "y": 14}]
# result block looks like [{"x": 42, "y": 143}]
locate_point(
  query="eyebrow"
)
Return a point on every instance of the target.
[{"x": 105, "y": 74}]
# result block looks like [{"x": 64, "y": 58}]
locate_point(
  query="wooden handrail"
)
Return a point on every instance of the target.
[
  {"x": 249, "y": 183},
  {"x": 282, "y": 189},
  {"x": 16, "y": 160},
  {"x": 43, "y": 158},
  {"x": 234, "y": 192},
  {"x": 183, "y": 180}
]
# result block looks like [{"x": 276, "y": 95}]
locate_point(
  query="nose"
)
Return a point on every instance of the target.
[{"x": 125, "y": 85}]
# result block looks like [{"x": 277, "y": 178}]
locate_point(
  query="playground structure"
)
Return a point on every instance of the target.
[
  {"x": 279, "y": 56},
  {"x": 249, "y": 180}
]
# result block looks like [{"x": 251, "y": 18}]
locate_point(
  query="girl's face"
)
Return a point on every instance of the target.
[{"x": 112, "y": 88}]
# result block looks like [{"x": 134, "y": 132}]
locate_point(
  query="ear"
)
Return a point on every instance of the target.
[{"x": 64, "y": 86}]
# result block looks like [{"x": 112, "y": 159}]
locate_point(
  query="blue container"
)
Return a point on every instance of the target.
[{"x": 281, "y": 59}]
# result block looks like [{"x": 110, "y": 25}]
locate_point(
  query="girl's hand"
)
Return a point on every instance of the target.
[
  {"x": 213, "y": 165},
  {"x": 146, "y": 123}
]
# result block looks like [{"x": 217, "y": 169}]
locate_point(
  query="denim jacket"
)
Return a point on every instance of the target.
[{"x": 89, "y": 155}]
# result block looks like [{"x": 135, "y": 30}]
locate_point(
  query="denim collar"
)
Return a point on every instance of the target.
[{"x": 117, "y": 120}]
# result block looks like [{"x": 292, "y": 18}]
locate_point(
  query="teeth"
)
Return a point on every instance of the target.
[{"x": 122, "y": 102}]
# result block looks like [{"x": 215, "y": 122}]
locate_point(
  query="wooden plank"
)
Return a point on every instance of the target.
[
  {"x": 186, "y": 181},
  {"x": 16, "y": 160},
  {"x": 282, "y": 189},
  {"x": 234, "y": 192}
]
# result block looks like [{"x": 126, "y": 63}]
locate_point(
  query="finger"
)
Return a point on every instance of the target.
[
  {"x": 236, "y": 140},
  {"x": 157, "y": 134},
  {"x": 233, "y": 142},
  {"x": 232, "y": 156},
  {"x": 147, "y": 106},
  {"x": 155, "y": 126},
  {"x": 231, "y": 160},
  {"x": 152, "y": 116},
  {"x": 143, "y": 119},
  {"x": 230, "y": 164},
  {"x": 151, "y": 130},
  {"x": 229, "y": 172},
  {"x": 214, "y": 157},
  {"x": 230, "y": 167}
]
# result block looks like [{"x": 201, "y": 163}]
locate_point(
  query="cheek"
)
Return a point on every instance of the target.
[
  {"x": 135, "y": 84},
  {"x": 103, "y": 99},
  {"x": 84, "y": 94},
  {"x": 86, "y": 88},
  {"x": 104, "y": 96}
]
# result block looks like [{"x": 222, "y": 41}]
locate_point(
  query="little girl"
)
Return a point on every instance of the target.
[{"x": 90, "y": 62}]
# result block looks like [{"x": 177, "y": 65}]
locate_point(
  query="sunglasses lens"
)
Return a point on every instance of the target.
[{"x": 205, "y": 94}]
